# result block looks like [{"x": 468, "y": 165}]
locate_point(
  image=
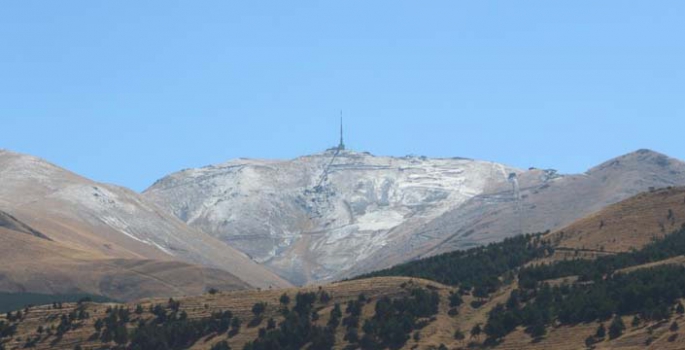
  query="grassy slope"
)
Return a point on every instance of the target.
[
  {"x": 46, "y": 267},
  {"x": 626, "y": 225}
]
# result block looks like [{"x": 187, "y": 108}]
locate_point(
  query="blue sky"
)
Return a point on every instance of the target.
[{"x": 128, "y": 91}]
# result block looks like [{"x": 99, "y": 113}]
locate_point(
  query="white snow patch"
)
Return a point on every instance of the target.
[{"x": 380, "y": 220}]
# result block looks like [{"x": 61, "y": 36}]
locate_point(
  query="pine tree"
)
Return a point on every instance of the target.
[
  {"x": 235, "y": 323},
  {"x": 476, "y": 331},
  {"x": 616, "y": 328},
  {"x": 336, "y": 314},
  {"x": 271, "y": 324},
  {"x": 235, "y": 327},
  {"x": 121, "y": 335},
  {"x": 589, "y": 341},
  {"x": 98, "y": 325},
  {"x": 601, "y": 331},
  {"x": 459, "y": 335},
  {"x": 538, "y": 330},
  {"x": 258, "y": 309},
  {"x": 455, "y": 299},
  {"x": 223, "y": 345}
]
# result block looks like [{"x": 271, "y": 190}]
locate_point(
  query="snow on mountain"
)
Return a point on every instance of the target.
[
  {"x": 548, "y": 201},
  {"x": 315, "y": 217}
]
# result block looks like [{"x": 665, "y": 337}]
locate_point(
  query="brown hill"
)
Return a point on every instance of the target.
[
  {"x": 239, "y": 303},
  {"x": 439, "y": 329},
  {"x": 34, "y": 264},
  {"x": 629, "y": 224},
  {"x": 80, "y": 235}
]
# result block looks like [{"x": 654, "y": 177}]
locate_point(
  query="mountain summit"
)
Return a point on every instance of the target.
[
  {"x": 338, "y": 213},
  {"x": 313, "y": 217}
]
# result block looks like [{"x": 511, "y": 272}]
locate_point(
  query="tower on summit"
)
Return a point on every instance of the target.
[{"x": 341, "y": 146}]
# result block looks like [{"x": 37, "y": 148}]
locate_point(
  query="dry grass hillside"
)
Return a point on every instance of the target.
[
  {"x": 240, "y": 304},
  {"x": 439, "y": 330},
  {"x": 63, "y": 233},
  {"x": 651, "y": 336},
  {"x": 44, "y": 266},
  {"x": 629, "y": 224}
]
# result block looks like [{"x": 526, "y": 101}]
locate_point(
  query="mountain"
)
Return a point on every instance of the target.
[
  {"x": 329, "y": 216},
  {"x": 310, "y": 218},
  {"x": 547, "y": 201},
  {"x": 90, "y": 237}
]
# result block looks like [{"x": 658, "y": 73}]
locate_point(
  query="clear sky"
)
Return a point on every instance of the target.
[{"x": 128, "y": 91}]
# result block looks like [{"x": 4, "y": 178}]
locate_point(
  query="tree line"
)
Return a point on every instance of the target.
[
  {"x": 592, "y": 270},
  {"x": 600, "y": 292},
  {"x": 649, "y": 294},
  {"x": 477, "y": 268}
]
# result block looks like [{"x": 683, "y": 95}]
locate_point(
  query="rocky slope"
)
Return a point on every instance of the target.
[
  {"x": 324, "y": 217},
  {"x": 107, "y": 224},
  {"x": 547, "y": 201},
  {"x": 312, "y": 217}
]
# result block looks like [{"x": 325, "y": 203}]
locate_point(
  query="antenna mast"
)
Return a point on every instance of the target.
[{"x": 341, "y": 146}]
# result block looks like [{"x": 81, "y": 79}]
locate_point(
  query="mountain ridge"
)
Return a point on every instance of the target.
[
  {"x": 110, "y": 222},
  {"x": 358, "y": 197},
  {"x": 285, "y": 201}
]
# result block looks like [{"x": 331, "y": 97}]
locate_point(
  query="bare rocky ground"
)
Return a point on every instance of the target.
[{"x": 325, "y": 217}]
